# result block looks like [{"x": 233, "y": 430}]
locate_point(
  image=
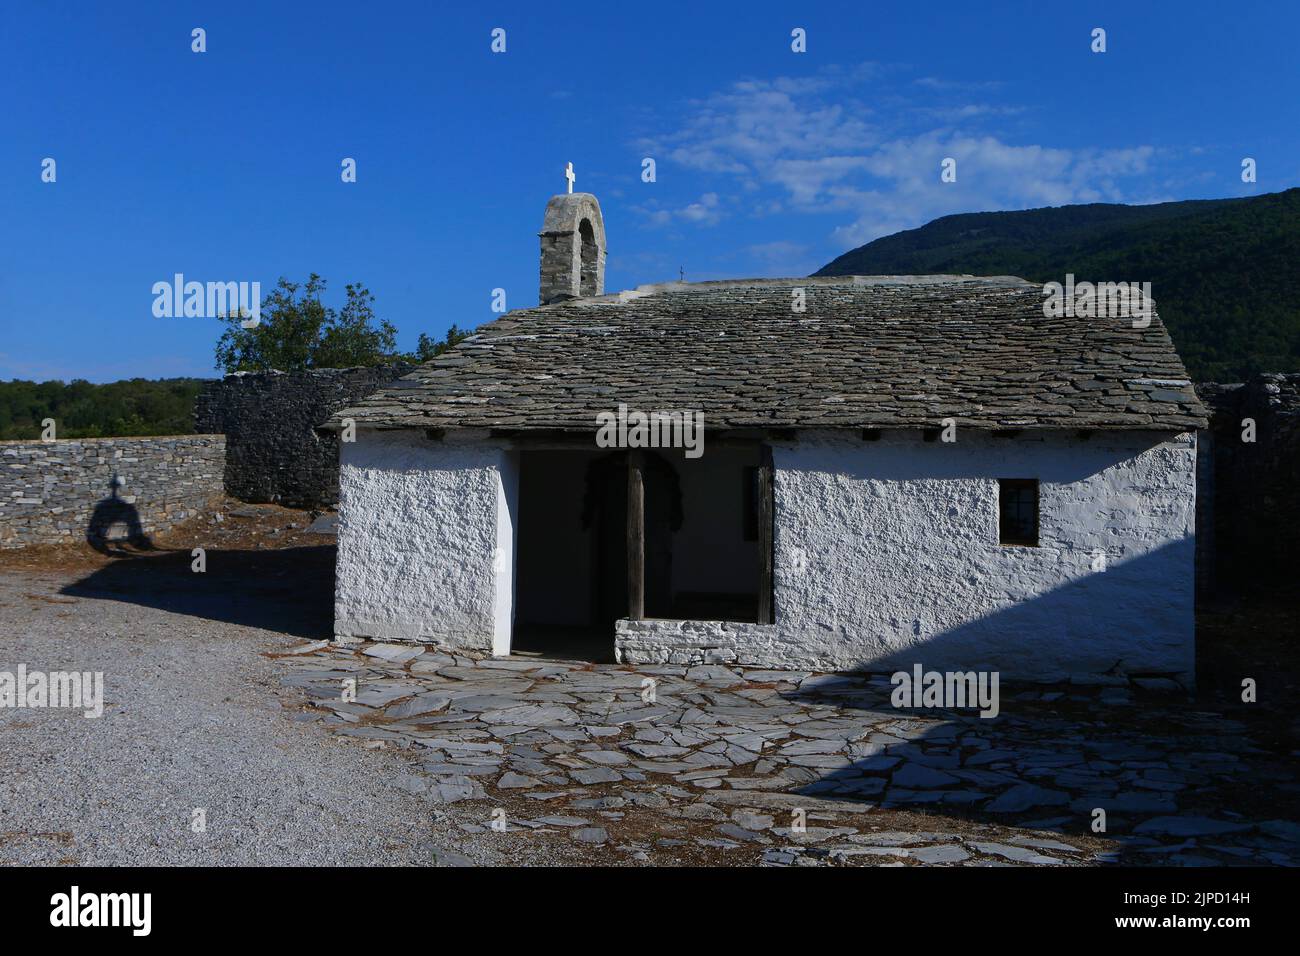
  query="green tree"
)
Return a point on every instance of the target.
[
  {"x": 297, "y": 330},
  {"x": 426, "y": 348},
  {"x": 354, "y": 336},
  {"x": 82, "y": 410}
]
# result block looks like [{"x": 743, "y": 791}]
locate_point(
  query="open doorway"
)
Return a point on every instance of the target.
[{"x": 701, "y": 544}]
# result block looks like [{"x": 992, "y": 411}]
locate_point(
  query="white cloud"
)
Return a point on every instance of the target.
[
  {"x": 940, "y": 84},
  {"x": 705, "y": 211},
  {"x": 813, "y": 145}
]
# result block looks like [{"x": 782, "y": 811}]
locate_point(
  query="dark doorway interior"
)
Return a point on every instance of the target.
[
  {"x": 557, "y": 573},
  {"x": 605, "y": 511},
  {"x": 571, "y": 551}
]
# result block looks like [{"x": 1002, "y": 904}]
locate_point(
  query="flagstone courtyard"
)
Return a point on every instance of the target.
[
  {"x": 224, "y": 693},
  {"x": 797, "y": 768}
]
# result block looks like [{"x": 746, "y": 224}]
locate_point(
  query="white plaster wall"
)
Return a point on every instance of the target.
[
  {"x": 887, "y": 554},
  {"x": 503, "y": 605},
  {"x": 426, "y": 540}
]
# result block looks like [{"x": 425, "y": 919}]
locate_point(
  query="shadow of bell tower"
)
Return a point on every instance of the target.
[{"x": 111, "y": 512}]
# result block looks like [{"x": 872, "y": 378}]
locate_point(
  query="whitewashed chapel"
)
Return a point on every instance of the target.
[{"x": 917, "y": 469}]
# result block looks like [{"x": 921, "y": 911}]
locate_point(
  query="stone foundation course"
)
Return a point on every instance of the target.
[{"x": 63, "y": 492}]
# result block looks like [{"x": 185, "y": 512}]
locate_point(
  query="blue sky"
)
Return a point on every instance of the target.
[{"x": 225, "y": 165}]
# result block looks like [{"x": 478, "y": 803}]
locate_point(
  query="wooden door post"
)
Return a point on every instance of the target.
[
  {"x": 766, "y": 528},
  {"x": 635, "y": 535}
]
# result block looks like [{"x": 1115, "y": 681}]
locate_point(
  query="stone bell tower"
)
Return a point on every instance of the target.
[{"x": 573, "y": 247}]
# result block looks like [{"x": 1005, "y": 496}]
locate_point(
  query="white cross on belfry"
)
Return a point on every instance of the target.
[{"x": 568, "y": 174}]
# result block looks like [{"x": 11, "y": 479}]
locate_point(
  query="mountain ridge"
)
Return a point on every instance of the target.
[{"x": 1223, "y": 271}]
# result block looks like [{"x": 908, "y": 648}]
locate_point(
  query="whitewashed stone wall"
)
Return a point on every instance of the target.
[
  {"x": 421, "y": 527},
  {"x": 887, "y": 555},
  {"x": 503, "y": 563}
]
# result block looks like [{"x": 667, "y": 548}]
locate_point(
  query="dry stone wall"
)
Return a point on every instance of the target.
[
  {"x": 1248, "y": 504},
  {"x": 62, "y": 492},
  {"x": 273, "y": 453}
]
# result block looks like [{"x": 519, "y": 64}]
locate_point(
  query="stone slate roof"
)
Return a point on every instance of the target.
[{"x": 868, "y": 352}]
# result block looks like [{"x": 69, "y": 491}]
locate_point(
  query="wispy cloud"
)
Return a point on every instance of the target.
[
  {"x": 944, "y": 85},
  {"x": 825, "y": 145},
  {"x": 705, "y": 211}
]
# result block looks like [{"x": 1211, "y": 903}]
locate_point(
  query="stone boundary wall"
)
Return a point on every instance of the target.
[
  {"x": 273, "y": 453},
  {"x": 62, "y": 492},
  {"x": 1248, "y": 505}
]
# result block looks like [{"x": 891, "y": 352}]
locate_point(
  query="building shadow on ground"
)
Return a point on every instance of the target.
[
  {"x": 1165, "y": 768},
  {"x": 290, "y": 590},
  {"x": 1143, "y": 750}
]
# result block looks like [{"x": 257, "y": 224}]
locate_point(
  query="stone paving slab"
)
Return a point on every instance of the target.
[{"x": 805, "y": 769}]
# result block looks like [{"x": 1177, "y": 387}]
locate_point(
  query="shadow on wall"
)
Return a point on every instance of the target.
[
  {"x": 115, "y": 527},
  {"x": 1087, "y": 459},
  {"x": 1134, "y": 618},
  {"x": 1129, "y": 621}
]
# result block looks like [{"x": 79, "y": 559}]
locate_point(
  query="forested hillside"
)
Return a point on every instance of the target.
[
  {"x": 1224, "y": 272},
  {"x": 81, "y": 410}
]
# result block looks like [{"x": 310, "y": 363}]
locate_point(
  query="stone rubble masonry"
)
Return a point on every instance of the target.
[
  {"x": 49, "y": 490},
  {"x": 572, "y": 248},
  {"x": 273, "y": 452}
]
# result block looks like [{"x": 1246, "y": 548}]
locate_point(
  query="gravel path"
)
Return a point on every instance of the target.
[
  {"x": 190, "y": 721},
  {"x": 576, "y": 765}
]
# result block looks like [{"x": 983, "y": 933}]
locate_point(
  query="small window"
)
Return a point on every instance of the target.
[{"x": 1018, "y": 511}]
